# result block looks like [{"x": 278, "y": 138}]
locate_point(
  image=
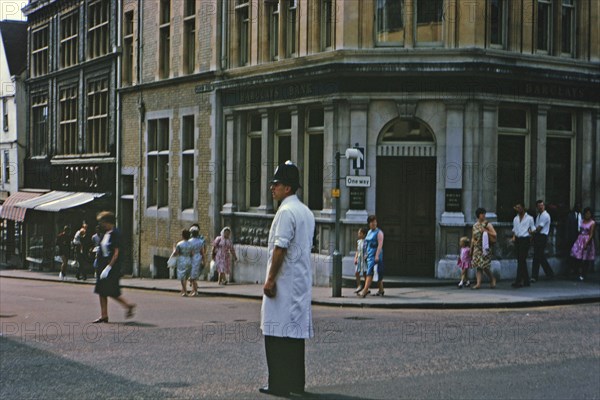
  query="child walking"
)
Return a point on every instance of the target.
[
  {"x": 360, "y": 259},
  {"x": 464, "y": 262}
]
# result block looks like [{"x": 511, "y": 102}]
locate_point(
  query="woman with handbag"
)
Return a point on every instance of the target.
[
  {"x": 197, "y": 244},
  {"x": 374, "y": 240},
  {"x": 223, "y": 252},
  {"x": 482, "y": 236},
  {"x": 183, "y": 252}
]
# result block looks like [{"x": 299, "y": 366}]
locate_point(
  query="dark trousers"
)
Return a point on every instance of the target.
[
  {"x": 522, "y": 249},
  {"x": 539, "y": 256},
  {"x": 285, "y": 361}
]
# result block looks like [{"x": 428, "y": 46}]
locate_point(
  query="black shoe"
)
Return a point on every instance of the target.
[{"x": 267, "y": 390}]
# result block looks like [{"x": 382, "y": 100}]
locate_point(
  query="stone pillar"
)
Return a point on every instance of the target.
[
  {"x": 538, "y": 150},
  {"x": 489, "y": 159},
  {"x": 329, "y": 150},
  {"x": 588, "y": 188},
  {"x": 454, "y": 161},
  {"x": 470, "y": 165},
  {"x": 596, "y": 144},
  {"x": 268, "y": 166},
  {"x": 298, "y": 144},
  {"x": 358, "y": 134},
  {"x": 230, "y": 166}
]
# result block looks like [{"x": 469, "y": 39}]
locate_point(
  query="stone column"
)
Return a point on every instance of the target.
[
  {"x": 298, "y": 144},
  {"x": 329, "y": 150},
  {"x": 489, "y": 159},
  {"x": 596, "y": 144},
  {"x": 588, "y": 188},
  {"x": 470, "y": 166},
  {"x": 268, "y": 166},
  {"x": 454, "y": 160},
  {"x": 538, "y": 147},
  {"x": 358, "y": 135},
  {"x": 230, "y": 179}
]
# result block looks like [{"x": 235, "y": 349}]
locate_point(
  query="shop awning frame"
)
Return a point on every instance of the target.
[
  {"x": 10, "y": 209},
  {"x": 56, "y": 201}
]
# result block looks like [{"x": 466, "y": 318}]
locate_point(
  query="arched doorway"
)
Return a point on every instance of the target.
[{"x": 406, "y": 190}]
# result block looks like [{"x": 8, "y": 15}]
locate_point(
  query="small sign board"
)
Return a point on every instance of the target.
[
  {"x": 357, "y": 198},
  {"x": 359, "y": 163},
  {"x": 358, "y": 181},
  {"x": 335, "y": 193},
  {"x": 453, "y": 200}
]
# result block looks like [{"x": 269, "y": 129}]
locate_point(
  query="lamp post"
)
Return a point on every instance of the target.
[{"x": 336, "y": 284}]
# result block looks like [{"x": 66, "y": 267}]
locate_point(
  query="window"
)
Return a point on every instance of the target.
[
  {"x": 6, "y": 170},
  {"x": 544, "y": 25},
  {"x": 39, "y": 124},
  {"x": 254, "y": 157},
  {"x": 189, "y": 37},
  {"x": 498, "y": 22},
  {"x": 283, "y": 138},
  {"x": 39, "y": 52},
  {"x": 98, "y": 33},
  {"x": 164, "y": 51},
  {"x": 68, "y": 121},
  {"x": 513, "y": 144},
  {"x": 242, "y": 9},
  {"x": 568, "y": 27},
  {"x": 390, "y": 21},
  {"x": 314, "y": 158},
  {"x": 408, "y": 130},
  {"x": 559, "y": 162},
  {"x": 291, "y": 27},
  {"x": 158, "y": 163},
  {"x": 69, "y": 43},
  {"x": 5, "y": 114},
  {"x": 97, "y": 117},
  {"x": 430, "y": 14},
  {"x": 326, "y": 24},
  {"x": 128, "y": 48},
  {"x": 187, "y": 163},
  {"x": 274, "y": 31}
]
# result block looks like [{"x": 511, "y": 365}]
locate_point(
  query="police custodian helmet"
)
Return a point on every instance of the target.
[{"x": 287, "y": 174}]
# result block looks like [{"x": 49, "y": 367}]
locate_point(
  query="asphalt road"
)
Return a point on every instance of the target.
[{"x": 211, "y": 347}]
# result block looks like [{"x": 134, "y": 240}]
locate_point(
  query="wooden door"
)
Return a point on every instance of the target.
[{"x": 406, "y": 214}]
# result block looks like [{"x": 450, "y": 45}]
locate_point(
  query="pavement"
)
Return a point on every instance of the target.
[{"x": 436, "y": 296}]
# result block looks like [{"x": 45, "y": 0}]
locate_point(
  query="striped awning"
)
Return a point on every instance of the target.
[{"x": 11, "y": 211}]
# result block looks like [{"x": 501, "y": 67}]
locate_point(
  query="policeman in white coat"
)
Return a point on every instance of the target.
[{"x": 286, "y": 316}]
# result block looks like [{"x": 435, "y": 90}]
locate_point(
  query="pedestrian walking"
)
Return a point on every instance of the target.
[
  {"x": 224, "y": 252},
  {"x": 464, "y": 262},
  {"x": 63, "y": 244},
  {"x": 82, "y": 243},
  {"x": 183, "y": 252},
  {"x": 107, "y": 283},
  {"x": 286, "y": 315},
  {"x": 360, "y": 258},
  {"x": 483, "y": 234},
  {"x": 540, "y": 238},
  {"x": 572, "y": 227},
  {"x": 95, "y": 251},
  {"x": 523, "y": 227},
  {"x": 198, "y": 256},
  {"x": 583, "y": 249},
  {"x": 375, "y": 265}
]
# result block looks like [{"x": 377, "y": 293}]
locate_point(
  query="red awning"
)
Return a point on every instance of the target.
[{"x": 9, "y": 209}]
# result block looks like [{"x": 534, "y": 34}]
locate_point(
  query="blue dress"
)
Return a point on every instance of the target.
[
  {"x": 196, "y": 244},
  {"x": 372, "y": 243},
  {"x": 184, "y": 259}
]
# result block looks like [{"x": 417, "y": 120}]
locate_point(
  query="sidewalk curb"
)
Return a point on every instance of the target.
[{"x": 377, "y": 304}]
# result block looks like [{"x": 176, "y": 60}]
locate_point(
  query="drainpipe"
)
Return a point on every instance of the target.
[
  {"x": 118, "y": 51},
  {"x": 142, "y": 113}
]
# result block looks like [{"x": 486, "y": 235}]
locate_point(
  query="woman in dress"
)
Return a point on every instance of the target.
[
  {"x": 109, "y": 270},
  {"x": 583, "y": 249},
  {"x": 197, "y": 244},
  {"x": 183, "y": 252},
  {"x": 481, "y": 256},
  {"x": 374, "y": 240},
  {"x": 224, "y": 251}
]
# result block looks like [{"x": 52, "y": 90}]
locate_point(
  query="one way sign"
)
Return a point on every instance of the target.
[{"x": 359, "y": 163}]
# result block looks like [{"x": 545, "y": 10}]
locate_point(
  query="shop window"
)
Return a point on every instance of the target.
[
  {"x": 568, "y": 27},
  {"x": 5, "y": 114},
  {"x": 291, "y": 27},
  {"x": 327, "y": 24},
  {"x": 68, "y": 143},
  {"x": 512, "y": 118},
  {"x": 390, "y": 21},
  {"x": 128, "y": 48},
  {"x": 254, "y": 161},
  {"x": 158, "y": 163},
  {"x": 283, "y": 138},
  {"x": 189, "y": 37},
  {"x": 39, "y": 124},
  {"x": 98, "y": 32},
  {"x": 39, "y": 51},
  {"x": 544, "y": 25},
  {"x": 558, "y": 175},
  {"x": 242, "y": 10},
  {"x": 96, "y": 140},
  {"x": 429, "y": 16},
  {"x": 314, "y": 159},
  {"x": 510, "y": 175},
  {"x": 187, "y": 164},
  {"x": 6, "y": 170},
  {"x": 69, "y": 43},
  {"x": 274, "y": 30},
  {"x": 497, "y": 24},
  {"x": 164, "y": 49}
]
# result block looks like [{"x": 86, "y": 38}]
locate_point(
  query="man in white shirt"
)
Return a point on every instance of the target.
[
  {"x": 286, "y": 315},
  {"x": 523, "y": 226},
  {"x": 542, "y": 228}
]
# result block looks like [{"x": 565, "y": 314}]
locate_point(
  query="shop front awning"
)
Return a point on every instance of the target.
[
  {"x": 58, "y": 200},
  {"x": 10, "y": 209}
]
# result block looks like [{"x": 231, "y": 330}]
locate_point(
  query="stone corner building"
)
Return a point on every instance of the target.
[{"x": 456, "y": 105}]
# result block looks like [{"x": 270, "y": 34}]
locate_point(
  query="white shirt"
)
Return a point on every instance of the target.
[
  {"x": 521, "y": 227},
  {"x": 543, "y": 220},
  {"x": 289, "y": 313}
]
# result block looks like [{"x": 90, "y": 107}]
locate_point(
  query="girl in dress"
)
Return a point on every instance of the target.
[
  {"x": 464, "y": 261},
  {"x": 583, "y": 249},
  {"x": 224, "y": 251},
  {"x": 360, "y": 259}
]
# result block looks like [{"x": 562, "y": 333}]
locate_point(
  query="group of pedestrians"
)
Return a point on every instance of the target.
[
  {"x": 368, "y": 260},
  {"x": 83, "y": 247}
]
